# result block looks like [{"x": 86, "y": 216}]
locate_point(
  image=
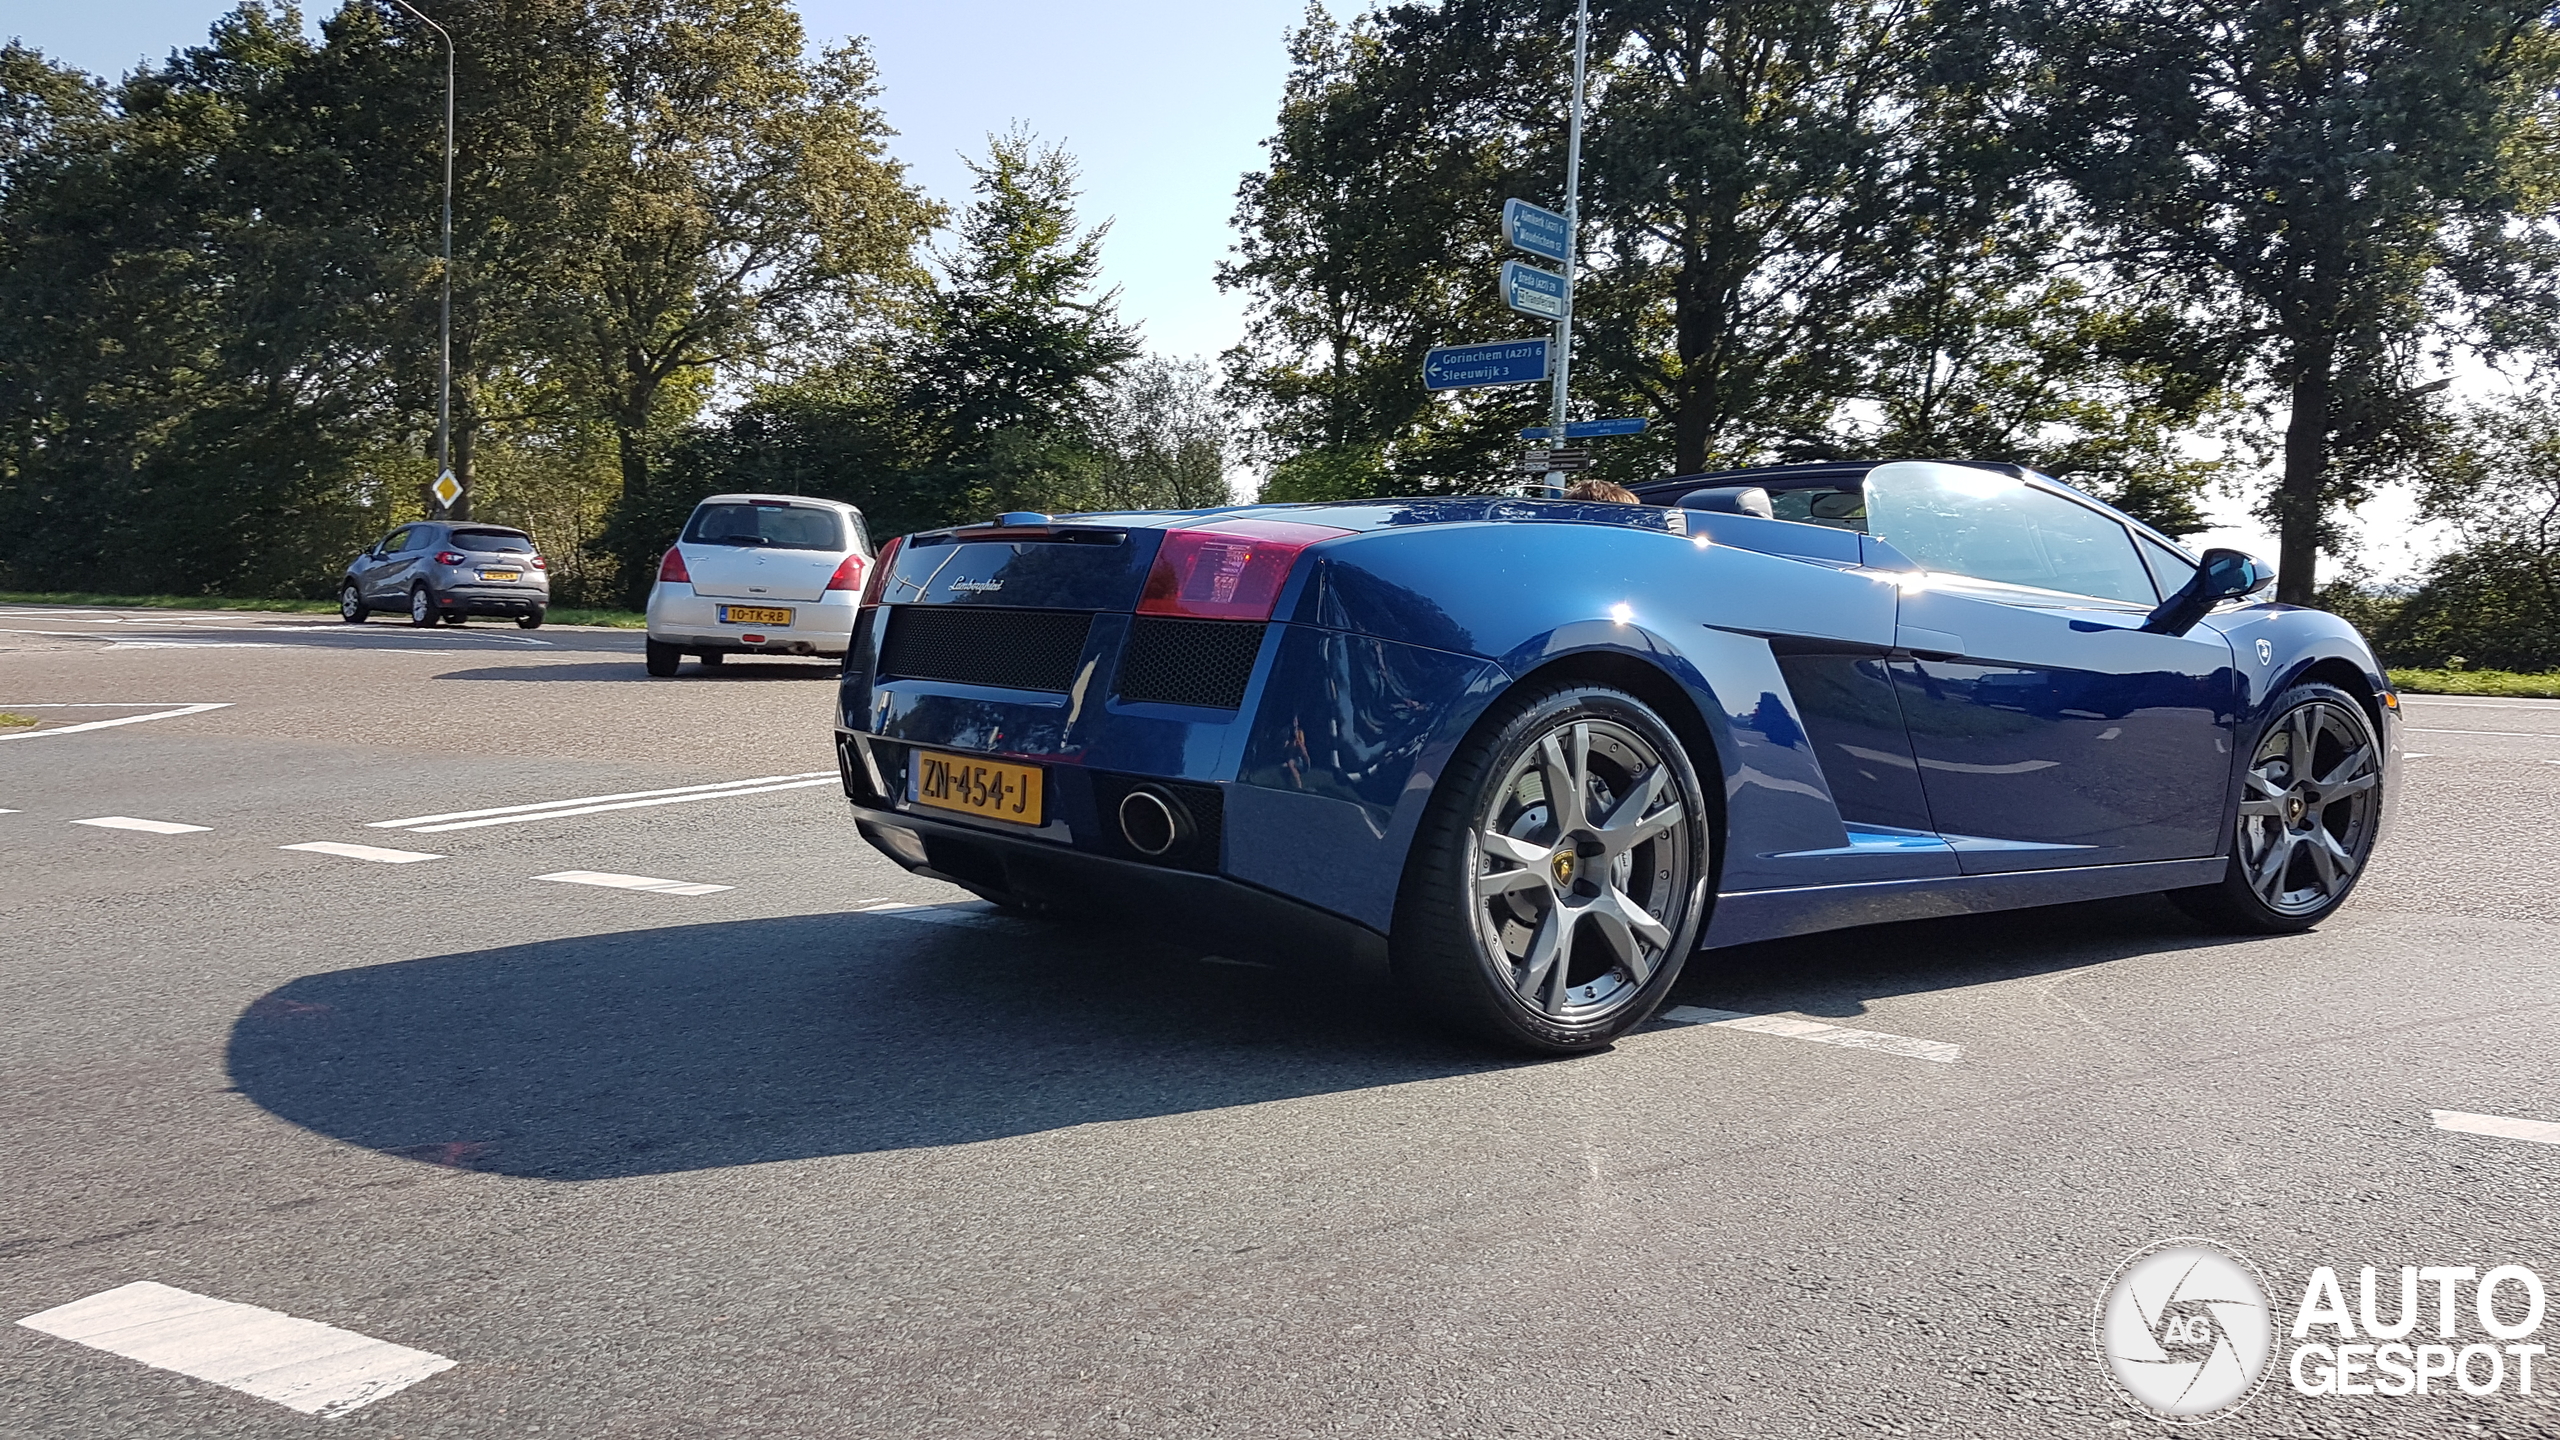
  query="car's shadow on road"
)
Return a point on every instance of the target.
[
  {"x": 1835, "y": 974},
  {"x": 630, "y": 670},
  {"x": 734, "y": 1043}
]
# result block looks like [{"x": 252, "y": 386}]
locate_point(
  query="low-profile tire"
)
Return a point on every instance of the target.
[
  {"x": 712, "y": 658},
  {"x": 663, "y": 659},
  {"x": 1555, "y": 928},
  {"x": 351, "y": 606},
  {"x": 2310, "y": 807},
  {"x": 531, "y": 619},
  {"x": 422, "y": 606}
]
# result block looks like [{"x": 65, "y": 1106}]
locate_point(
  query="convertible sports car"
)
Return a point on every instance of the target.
[{"x": 1537, "y": 752}]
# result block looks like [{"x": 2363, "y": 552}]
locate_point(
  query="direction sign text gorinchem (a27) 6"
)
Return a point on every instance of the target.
[
  {"x": 1532, "y": 291},
  {"x": 1504, "y": 362},
  {"x": 1534, "y": 229}
]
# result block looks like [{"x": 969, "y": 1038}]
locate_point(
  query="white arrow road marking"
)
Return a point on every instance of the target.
[
  {"x": 104, "y": 724},
  {"x": 149, "y": 827},
  {"x": 299, "y": 1364},
  {"x": 2504, "y": 1127},
  {"x": 633, "y": 882},
  {"x": 592, "y": 804},
  {"x": 1814, "y": 1030},
  {"x": 362, "y": 852}
]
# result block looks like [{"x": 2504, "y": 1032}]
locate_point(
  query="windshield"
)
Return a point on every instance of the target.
[
  {"x": 780, "y": 527},
  {"x": 493, "y": 542}
]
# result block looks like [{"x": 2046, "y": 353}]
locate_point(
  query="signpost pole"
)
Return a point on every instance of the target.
[
  {"x": 444, "y": 323},
  {"x": 1572, "y": 229}
]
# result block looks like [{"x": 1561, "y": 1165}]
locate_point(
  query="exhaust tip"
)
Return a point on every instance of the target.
[{"x": 1153, "y": 822}]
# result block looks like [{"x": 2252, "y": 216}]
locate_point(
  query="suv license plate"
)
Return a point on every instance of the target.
[
  {"x": 990, "y": 789},
  {"x": 753, "y": 615},
  {"x": 501, "y": 574}
]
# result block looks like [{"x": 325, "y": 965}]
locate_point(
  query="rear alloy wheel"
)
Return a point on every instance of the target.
[
  {"x": 2309, "y": 809},
  {"x": 351, "y": 606},
  {"x": 422, "y": 606},
  {"x": 662, "y": 659},
  {"x": 1557, "y": 883},
  {"x": 531, "y": 619}
]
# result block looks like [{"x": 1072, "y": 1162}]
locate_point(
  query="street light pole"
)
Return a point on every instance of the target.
[
  {"x": 444, "y": 346},
  {"x": 1572, "y": 233}
]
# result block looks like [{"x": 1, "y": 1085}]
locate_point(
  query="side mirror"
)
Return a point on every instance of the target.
[{"x": 2221, "y": 575}]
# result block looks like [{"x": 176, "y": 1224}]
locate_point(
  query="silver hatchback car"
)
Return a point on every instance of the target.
[{"x": 448, "y": 570}]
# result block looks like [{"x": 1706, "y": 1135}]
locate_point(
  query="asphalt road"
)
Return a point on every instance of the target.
[{"x": 785, "y": 1159}]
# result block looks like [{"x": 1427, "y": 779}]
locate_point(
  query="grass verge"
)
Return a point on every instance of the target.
[
  {"x": 559, "y": 614},
  {"x": 2478, "y": 682},
  {"x": 11, "y": 720}
]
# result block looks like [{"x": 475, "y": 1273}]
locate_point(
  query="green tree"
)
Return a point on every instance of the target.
[
  {"x": 2333, "y": 184},
  {"x": 1016, "y": 345},
  {"x": 738, "y": 207},
  {"x": 2493, "y": 601}
]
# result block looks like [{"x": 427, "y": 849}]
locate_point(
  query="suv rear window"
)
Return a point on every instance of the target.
[
  {"x": 779, "y": 527},
  {"x": 493, "y": 542}
]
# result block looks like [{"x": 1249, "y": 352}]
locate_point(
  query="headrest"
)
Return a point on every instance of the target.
[{"x": 1730, "y": 500}]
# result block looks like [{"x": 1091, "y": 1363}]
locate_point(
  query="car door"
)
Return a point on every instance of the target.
[
  {"x": 2048, "y": 728},
  {"x": 380, "y": 561}
]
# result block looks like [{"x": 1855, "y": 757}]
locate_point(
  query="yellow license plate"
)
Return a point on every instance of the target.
[
  {"x": 501, "y": 574},
  {"x": 753, "y": 615},
  {"x": 992, "y": 789}
]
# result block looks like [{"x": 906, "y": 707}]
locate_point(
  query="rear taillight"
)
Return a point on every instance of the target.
[
  {"x": 672, "y": 568},
  {"x": 878, "y": 581},
  {"x": 541, "y": 564},
  {"x": 450, "y": 557},
  {"x": 848, "y": 574},
  {"x": 1229, "y": 570}
]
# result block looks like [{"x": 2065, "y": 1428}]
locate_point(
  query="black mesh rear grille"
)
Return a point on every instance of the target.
[
  {"x": 985, "y": 645},
  {"x": 1189, "y": 662}
]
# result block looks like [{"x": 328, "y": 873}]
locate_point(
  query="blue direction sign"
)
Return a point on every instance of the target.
[
  {"x": 1505, "y": 362},
  {"x": 1538, "y": 231},
  {"x": 1532, "y": 291},
  {"x": 1584, "y": 429}
]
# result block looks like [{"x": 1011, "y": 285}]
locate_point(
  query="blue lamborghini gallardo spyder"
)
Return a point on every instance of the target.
[{"x": 1537, "y": 752}]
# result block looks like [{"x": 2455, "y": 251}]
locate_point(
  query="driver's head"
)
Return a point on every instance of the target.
[{"x": 1609, "y": 491}]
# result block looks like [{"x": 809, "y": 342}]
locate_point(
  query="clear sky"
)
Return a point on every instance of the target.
[{"x": 1165, "y": 102}]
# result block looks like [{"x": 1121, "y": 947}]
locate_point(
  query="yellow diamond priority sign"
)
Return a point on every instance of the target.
[{"x": 447, "y": 489}]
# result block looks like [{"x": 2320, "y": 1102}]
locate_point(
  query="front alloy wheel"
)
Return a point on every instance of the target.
[
  {"x": 351, "y": 606},
  {"x": 1572, "y": 842},
  {"x": 2309, "y": 809}
]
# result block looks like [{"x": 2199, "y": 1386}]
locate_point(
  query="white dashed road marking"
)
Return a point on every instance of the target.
[
  {"x": 2508, "y": 734},
  {"x": 1814, "y": 1030},
  {"x": 963, "y": 915},
  {"x": 363, "y": 852},
  {"x": 633, "y": 882},
  {"x": 152, "y": 827},
  {"x": 299, "y": 1364},
  {"x": 593, "y": 804},
  {"x": 105, "y": 724},
  {"x": 2504, "y": 1127}
]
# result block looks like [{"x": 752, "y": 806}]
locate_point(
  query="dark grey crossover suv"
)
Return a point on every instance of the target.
[{"x": 448, "y": 570}]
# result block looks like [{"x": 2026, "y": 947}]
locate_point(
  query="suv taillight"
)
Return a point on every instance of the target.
[
  {"x": 672, "y": 568},
  {"x": 848, "y": 574},
  {"x": 541, "y": 564},
  {"x": 1227, "y": 570},
  {"x": 450, "y": 557},
  {"x": 878, "y": 580}
]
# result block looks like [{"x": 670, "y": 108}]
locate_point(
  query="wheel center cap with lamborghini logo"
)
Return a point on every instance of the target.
[{"x": 1562, "y": 865}]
